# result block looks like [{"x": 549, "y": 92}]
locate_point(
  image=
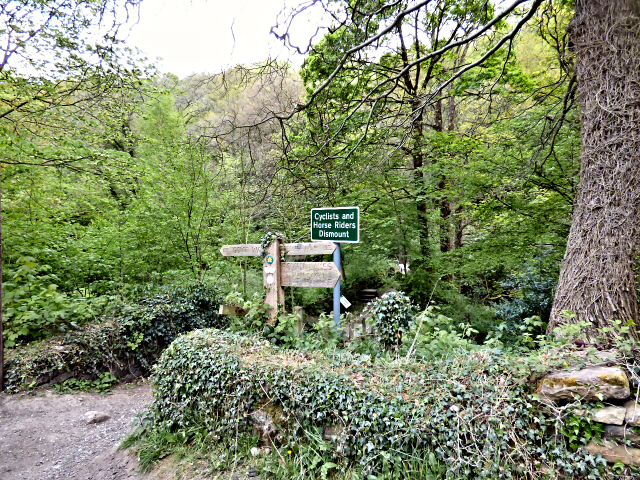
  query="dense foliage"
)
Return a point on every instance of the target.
[
  {"x": 158, "y": 175},
  {"x": 391, "y": 316},
  {"x": 129, "y": 339},
  {"x": 120, "y": 185},
  {"x": 473, "y": 412}
]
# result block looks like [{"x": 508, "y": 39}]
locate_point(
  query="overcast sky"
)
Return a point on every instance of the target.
[{"x": 198, "y": 36}]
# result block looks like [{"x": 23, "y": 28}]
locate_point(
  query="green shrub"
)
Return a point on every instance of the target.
[
  {"x": 529, "y": 292},
  {"x": 472, "y": 411},
  {"x": 33, "y": 308},
  {"x": 285, "y": 330},
  {"x": 523, "y": 335},
  {"x": 149, "y": 326},
  {"x": 257, "y": 312},
  {"x": 462, "y": 309},
  {"x": 133, "y": 337},
  {"x": 437, "y": 336},
  {"x": 391, "y": 317}
]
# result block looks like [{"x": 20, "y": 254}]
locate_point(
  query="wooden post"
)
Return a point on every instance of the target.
[
  {"x": 299, "y": 312},
  {"x": 272, "y": 282},
  {"x": 336, "y": 289}
]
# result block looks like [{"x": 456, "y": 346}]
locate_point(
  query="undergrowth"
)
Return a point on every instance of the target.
[
  {"x": 472, "y": 411},
  {"x": 310, "y": 457},
  {"x": 130, "y": 339},
  {"x": 101, "y": 384},
  {"x": 34, "y": 308}
]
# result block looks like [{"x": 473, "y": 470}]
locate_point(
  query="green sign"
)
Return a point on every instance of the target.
[{"x": 339, "y": 224}]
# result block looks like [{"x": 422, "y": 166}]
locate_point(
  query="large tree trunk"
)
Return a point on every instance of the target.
[
  {"x": 1, "y": 316},
  {"x": 597, "y": 280}
]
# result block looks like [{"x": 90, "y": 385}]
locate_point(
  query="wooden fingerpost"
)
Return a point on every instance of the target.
[
  {"x": 272, "y": 280},
  {"x": 288, "y": 274}
]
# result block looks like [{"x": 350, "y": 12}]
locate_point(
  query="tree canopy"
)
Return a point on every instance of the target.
[{"x": 457, "y": 126}]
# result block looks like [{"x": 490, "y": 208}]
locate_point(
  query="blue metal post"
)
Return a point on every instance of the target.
[{"x": 336, "y": 289}]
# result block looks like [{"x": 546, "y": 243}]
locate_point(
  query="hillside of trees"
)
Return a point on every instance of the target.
[
  {"x": 493, "y": 151},
  {"x": 455, "y": 127}
]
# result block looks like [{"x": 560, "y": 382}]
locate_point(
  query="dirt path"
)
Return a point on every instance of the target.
[{"x": 45, "y": 436}]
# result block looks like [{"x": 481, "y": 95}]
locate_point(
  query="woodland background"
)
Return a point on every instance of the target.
[{"x": 118, "y": 180}]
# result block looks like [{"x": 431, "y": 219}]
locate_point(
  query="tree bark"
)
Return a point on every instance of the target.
[
  {"x": 1, "y": 316},
  {"x": 597, "y": 280},
  {"x": 443, "y": 202},
  {"x": 445, "y": 214},
  {"x": 418, "y": 179}
]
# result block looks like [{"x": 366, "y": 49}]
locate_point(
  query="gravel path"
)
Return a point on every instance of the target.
[{"x": 45, "y": 436}]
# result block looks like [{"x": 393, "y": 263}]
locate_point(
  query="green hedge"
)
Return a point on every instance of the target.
[
  {"x": 130, "y": 340},
  {"x": 470, "y": 411}
]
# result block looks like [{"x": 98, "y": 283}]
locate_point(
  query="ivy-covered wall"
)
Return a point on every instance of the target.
[
  {"x": 128, "y": 341},
  {"x": 473, "y": 412}
]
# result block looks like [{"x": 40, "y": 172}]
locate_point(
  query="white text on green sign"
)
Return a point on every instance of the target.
[{"x": 338, "y": 224}]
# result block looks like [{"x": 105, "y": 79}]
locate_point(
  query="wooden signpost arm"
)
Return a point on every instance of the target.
[
  {"x": 309, "y": 274},
  {"x": 291, "y": 249}
]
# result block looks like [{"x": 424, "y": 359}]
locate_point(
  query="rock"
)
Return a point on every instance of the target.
[
  {"x": 62, "y": 377},
  {"x": 96, "y": 417},
  {"x": 589, "y": 383},
  {"x": 597, "y": 355},
  {"x": 264, "y": 427},
  {"x": 332, "y": 431},
  {"x": 613, "y": 453},
  {"x": 633, "y": 413},
  {"x": 610, "y": 415},
  {"x": 614, "y": 432},
  {"x": 32, "y": 382}
]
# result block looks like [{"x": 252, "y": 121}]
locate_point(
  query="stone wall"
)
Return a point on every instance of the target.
[{"x": 608, "y": 385}]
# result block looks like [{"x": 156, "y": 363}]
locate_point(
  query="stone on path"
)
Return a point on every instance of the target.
[{"x": 95, "y": 417}]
